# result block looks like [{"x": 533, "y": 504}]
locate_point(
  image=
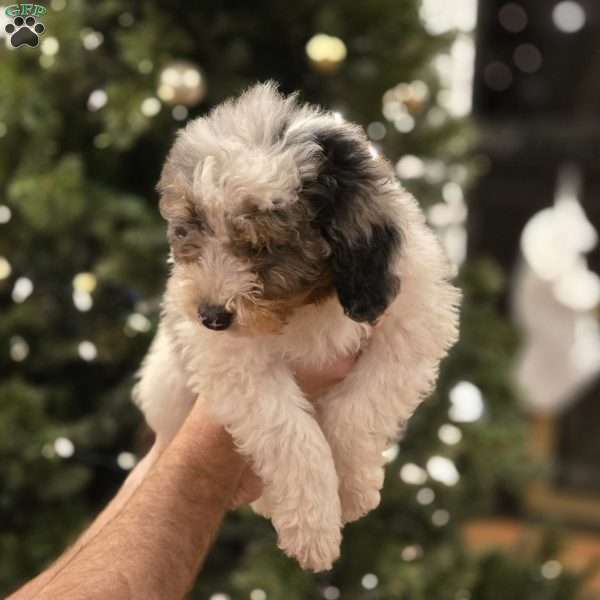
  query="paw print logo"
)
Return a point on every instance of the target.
[{"x": 25, "y": 31}]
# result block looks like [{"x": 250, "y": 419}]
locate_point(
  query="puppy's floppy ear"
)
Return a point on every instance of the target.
[{"x": 353, "y": 196}]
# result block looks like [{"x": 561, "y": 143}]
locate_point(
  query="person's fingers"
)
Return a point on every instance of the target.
[
  {"x": 314, "y": 381},
  {"x": 249, "y": 489},
  {"x": 341, "y": 367}
]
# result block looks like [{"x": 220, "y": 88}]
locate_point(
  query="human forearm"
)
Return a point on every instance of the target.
[
  {"x": 114, "y": 508},
  {"x": 155, "y": 546},
  {"x": 151, "y": 545}
]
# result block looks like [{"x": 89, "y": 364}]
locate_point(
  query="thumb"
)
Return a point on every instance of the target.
[{"x": 248, "y": 490}]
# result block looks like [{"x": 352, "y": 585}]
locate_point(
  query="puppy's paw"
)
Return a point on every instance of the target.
[
  {"x": 356, "y": 506},
  {"x": 311, "y": 532},
  {"x": 360, "y": 493},
  {"x": 316, "y": 550}
]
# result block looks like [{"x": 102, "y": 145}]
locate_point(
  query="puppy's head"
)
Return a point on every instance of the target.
[{"x": 271, "y": 206}]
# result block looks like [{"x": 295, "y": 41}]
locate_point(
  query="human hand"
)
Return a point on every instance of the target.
[{"x": 314, "y": 382}]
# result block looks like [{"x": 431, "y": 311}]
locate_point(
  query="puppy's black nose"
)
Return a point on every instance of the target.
[{"x": 214, "y": 317}]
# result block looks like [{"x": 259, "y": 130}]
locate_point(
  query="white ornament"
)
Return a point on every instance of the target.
[{"x": 555, "y": 296}]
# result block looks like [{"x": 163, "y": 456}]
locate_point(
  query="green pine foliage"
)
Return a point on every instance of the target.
[{"x": 80, "y": 187}]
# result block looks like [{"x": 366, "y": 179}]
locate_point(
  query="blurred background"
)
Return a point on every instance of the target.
[{"x": 489, "y": 112}]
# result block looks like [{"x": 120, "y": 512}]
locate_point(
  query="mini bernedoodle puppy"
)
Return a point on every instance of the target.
[{"x": 293, "y": 244}]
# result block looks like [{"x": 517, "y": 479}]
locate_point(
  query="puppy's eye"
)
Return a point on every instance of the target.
[
  {"x": 184, "y": 230},
  {"x": 180, "y": 232}
]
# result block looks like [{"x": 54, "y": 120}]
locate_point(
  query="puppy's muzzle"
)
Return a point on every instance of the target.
[{"x": 215, "y": 317}]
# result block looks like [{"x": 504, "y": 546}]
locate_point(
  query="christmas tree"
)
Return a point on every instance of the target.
[{"x": 86, "y": 118}]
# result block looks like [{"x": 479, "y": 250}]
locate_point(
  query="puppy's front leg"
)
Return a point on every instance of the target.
[
  {"x": 351, "y": 416},
  {"x": 276, "y": 428},
  {"x": 162, "y": 393},
  {"x": 366, "y": 411}
]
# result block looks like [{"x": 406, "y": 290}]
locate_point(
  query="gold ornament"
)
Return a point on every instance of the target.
[
  {"x": 326, "y": 52},
  {"x": 181, "y": 83},
  {"x": 406, "y": 97}
]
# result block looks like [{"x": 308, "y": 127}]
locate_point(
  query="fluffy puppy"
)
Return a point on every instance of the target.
[{"x": 290, "y": 240}]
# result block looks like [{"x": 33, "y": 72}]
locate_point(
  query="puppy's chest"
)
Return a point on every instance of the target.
[{"x": 318, "y": 336}]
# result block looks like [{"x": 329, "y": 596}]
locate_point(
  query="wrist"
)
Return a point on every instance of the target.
[{"x": 208, "y": 451}]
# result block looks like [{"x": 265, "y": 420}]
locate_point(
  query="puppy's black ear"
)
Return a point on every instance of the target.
[{"x": 354, "y": 198}]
